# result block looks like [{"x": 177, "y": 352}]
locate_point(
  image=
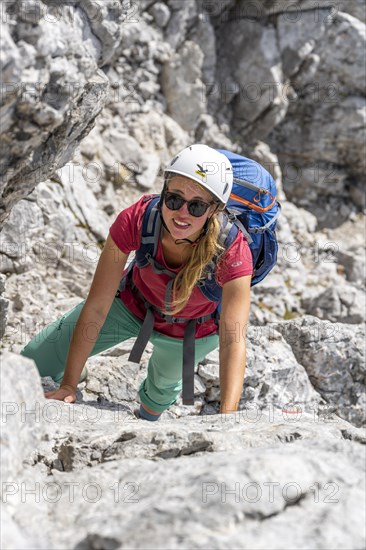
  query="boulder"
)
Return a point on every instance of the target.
[
  {"x": 333, "y": 357},
  {"x": 48, "y": 106},
  {"x": 182, "y": 86},
  {"x": 345, "y": 304}
]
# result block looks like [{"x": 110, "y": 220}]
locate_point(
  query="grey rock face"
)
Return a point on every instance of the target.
[
  {"x": 253, "y": 87},
  {"x": 259, "y": 78},
  {"x": 346, "y": 305},
  {"x": 52, "y": 88},
  {"x": 293, "y": 9},
  {"x": 294, "y": 79},
  {"x": 89, "y": 458},
  {"x": 273, "y": 375},
  {"x": 23, "y": 426},
  {"x": 4, "y": 304},
  {"x": 324, "y": 72},
  {"x": 182, "y": 17},
  {"x": 182, "y": 86},
  {"x": 161, "y": 13},
  {"x": 333, "y": 356},
  {"x": 215, "y": 518}
]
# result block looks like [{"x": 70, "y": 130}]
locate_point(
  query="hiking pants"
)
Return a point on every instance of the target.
[{"x": 163, "y": 384}]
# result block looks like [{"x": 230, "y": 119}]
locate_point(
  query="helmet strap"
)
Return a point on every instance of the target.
[{"x": 203, "y": 233}]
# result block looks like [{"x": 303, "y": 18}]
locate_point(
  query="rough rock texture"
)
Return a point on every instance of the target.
[
  {"x": 303, "y": 90},
  {"x": 153, "y": 77},
  {"x": 52, "y": 89},
  {"x": 23, "y": 428},
  {"x": 4, "y": 304},
  {"x": 294, "y": 8},
  {"x": 207, "y": 481},
  {"x": 333, "y": 355},
  {"x": 182, "y": 86},
  {"x": 326, "y": 150},
  {"x": 338, "y": 304}
]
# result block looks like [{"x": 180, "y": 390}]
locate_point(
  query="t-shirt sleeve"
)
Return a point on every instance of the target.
[
  {"x": 236, "y": 262},
  {"x": 126, "y": 229}
]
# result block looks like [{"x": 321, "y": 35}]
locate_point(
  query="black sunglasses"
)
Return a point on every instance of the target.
[{"x": 195, "y": 207}]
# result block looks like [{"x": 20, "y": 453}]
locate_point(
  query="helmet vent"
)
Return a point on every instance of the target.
[{"x": 174, "y": 160}]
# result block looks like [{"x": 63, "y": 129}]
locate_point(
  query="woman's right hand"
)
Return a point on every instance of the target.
[{"x": 64, "y": 393}]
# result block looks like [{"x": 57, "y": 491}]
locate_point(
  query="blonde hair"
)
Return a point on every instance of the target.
[{"x": 194, "y": 270}]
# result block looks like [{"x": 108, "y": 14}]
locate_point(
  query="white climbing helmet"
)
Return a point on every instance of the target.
[{"x": 203, "y": 164}]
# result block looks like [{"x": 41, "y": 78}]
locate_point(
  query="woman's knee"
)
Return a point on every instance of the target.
[{"x": 49, "y": 348}]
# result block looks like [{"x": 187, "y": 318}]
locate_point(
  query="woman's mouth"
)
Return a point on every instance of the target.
[{"x": 180, "y": 225}]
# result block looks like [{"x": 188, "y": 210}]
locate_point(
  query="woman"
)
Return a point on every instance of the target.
[{"x": 197, "y": 185}]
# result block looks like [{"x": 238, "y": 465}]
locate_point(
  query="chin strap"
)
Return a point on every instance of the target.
[{"x": 201, "y": 235}]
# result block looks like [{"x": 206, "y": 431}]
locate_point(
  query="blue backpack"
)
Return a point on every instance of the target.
[{"x": 253, "y": 209}]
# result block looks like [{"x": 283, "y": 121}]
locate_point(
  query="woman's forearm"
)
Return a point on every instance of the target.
[
  {"x": 232, "y": 369},
  {"x": 83, "y": 340}
]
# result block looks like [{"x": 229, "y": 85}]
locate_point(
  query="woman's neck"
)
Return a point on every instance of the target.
[
  {"x": 174, "y": 254},
  {"x": 169, "y": 241}
]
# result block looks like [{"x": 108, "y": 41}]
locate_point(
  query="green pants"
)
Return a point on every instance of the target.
[{"x": 160, "y": 389}]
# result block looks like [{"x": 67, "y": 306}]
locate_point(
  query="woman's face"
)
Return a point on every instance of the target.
[{"x": 181, "y": 224}]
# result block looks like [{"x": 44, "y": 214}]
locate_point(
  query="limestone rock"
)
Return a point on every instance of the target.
[
  {"x": 182, "y": 85},
  {"x": 333, "y": 356},
  {"x": 204, "y": 35},
  {"x": 278, "y": 82},
  {"x": 113, "y": 380},
  {"x": 209, "y": 132},
  {"x": 255, "y": 90},
  {"x": 12, "y": 536},
  {"x": 345, "y": 304},
  {"x": 110, "y": 463},
  {"x": 315, "y": 164},
  {"x": 161, "y": 13},
  {"x": 23, "y": 425},
  {"x": 4, "y": 305},
  {"x": 296, "y": 10},
  {"x": 209, "y": 515},
  {"x": 49, "y": 106},
  {"x": 82, "y": 201},
  {"x": 182, "y": 16}
]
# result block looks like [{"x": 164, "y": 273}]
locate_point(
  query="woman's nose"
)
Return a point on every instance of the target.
[{"x": 184, "y": 208}]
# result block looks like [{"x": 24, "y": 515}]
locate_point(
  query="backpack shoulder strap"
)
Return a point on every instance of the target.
[{"x": 151, "y": 226}]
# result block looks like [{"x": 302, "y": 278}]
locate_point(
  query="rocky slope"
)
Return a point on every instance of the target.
[{"x": 96, "y": 97}]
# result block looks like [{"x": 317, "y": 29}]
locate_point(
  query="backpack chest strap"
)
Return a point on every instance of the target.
[{"x": 167, "y": 318}]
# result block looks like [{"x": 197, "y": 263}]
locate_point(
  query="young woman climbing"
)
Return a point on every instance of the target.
[{"x": 168, "y": 295}]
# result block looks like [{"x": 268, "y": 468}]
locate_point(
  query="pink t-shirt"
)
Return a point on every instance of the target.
[{"x": 126, "y": 233}]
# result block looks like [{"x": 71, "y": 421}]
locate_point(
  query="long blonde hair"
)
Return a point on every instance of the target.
[{"x": 194, "y": 270}]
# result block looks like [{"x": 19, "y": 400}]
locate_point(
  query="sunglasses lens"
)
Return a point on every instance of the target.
[
  {"x": 173, "y": 202},
  {"x": 195, "y": 208}
]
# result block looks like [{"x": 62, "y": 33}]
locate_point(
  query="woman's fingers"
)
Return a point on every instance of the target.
[
  {"x": 62, "y": 395},
  {"x": 70, "y": 399}
]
